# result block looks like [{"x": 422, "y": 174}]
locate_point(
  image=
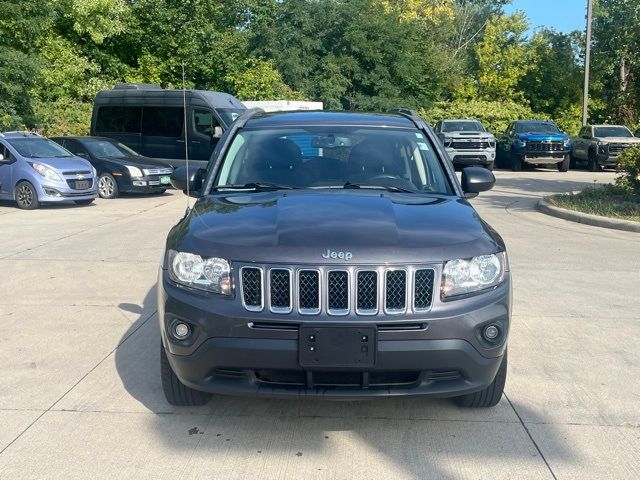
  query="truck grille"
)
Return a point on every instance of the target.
[
  {"x": 542, "y": 146},
  {"x": 475, "y": 145},
  {"x": 337, "y": 290},
  {"x": 617, "y": 148}
]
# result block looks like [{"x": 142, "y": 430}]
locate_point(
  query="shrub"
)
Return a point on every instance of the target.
[
  {"x": 495, "y": 116},
  {"x": 629, "y": 165}
]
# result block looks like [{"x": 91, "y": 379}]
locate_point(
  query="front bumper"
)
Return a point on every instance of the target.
[
  {"x": 472, "y": 157},
  {"x": 231, "y": 352},
  {"x": 56, "y": 191},
  {"x": 146, "y": 184},
  {"x": 543, "y": 158}
]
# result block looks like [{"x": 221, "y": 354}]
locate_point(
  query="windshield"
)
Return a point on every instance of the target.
[
  {"x": 229, "y": 115},
  {"x": 466, "y": 126},
  {"x": 334, "y": 157},
  {"x": 106, "y": 148},
  {"x": 612, "y": 132},
  {"x": 36, "y": 147},
  {"x": 537, "y": 127}
]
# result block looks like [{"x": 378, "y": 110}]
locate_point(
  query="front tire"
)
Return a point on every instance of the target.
[
  {"x": 175, "y": 391},
  {"x": 107, "y": 186},
  {"x": 489, "y": 166},
  {"x": 516, "y": 162},
  {"x": 26, "y": 196},
  {"x": 593, "y": 162},
  {"x": 563, "y": 166},
  {"x": 490, "y": 396}
]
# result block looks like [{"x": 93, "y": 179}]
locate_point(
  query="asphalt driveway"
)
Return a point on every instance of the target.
[{"x": 80, "y": 395}]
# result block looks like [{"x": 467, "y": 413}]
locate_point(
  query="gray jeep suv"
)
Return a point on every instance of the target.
[{"x": 333, "y": 255}]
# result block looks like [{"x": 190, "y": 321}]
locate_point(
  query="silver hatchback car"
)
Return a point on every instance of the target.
[{"x": 35, "y": 170}]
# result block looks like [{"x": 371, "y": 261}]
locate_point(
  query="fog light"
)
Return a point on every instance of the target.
[
  {"x": 139, "y": 183},
  {"x": 491, "y": 332},
  {"x": 181, "y": 330}
]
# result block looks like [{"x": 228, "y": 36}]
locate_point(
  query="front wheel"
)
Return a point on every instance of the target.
[
  {"x": 26, "y": 196},
  {"x": 490, "y": 396},
  {"x": 516, "y": 162},
  {"x": 593, "y": 162},
  {"x": 563, "y": 166},
  {"x": 107, "y": 186},
  {"x": 176, "y": 392}
]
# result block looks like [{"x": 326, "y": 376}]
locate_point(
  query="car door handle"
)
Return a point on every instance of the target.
[
  {"x": 195, "y": 141},
  {"x": 179, "y": 141}
]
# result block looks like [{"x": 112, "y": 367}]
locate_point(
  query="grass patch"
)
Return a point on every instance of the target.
[{"x": 606, "y": 201}]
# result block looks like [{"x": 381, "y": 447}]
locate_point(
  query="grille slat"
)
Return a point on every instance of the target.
[
  {"x": 542, "y": 146},
  {"x": 396, "y": 291},
  {"x": 316, "y": 290},
  {"x": 252, "y": 288},
  {"x": 280, "y": 290},
  {"x": 367, "y": 292},
  {"x": 423, "y": 289},
  {"x": 309, "y": 292},
  {"x": 338, "y": 292}
]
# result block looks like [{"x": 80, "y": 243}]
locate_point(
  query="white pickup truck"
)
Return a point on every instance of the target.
[{"x": 600, "y": 145}]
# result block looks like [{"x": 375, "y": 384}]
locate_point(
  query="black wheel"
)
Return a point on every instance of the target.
[
  {"x": 175, "y": 391},
  {"x": 489, "y": 166},
  {"x": 107, "y": 186},
  {"x": 516, "y": 162},
  {"x": 572, "y": 161},
  {"x": 563, "y": 166},
  {"x": 26, "y": 196},
  {"x": 83, "y": 202},
  {"x": 593, "y": 162},
  {"x": 490, "y": 396}
]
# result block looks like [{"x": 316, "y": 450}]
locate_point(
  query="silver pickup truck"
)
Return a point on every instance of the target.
[
  {"x": 467, "y": 142},
  {"x": 600, "y": 145}
]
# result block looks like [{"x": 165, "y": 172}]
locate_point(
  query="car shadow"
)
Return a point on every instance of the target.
[{"x": 415, "y": 435}]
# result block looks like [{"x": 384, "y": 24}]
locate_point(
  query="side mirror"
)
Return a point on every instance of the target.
[
  {"x": 476, "y": 180},
  {"x": 217, "y": 132},
  {"x": 180, "y": 181},
  {"x": 83, "y": 155}
]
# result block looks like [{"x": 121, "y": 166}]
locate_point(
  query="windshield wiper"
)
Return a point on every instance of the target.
[
  {"x": 254, "y": 186},
  {"x": 389, "y": 188}
]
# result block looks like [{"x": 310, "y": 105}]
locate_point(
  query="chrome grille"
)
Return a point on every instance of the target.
[
  {"x": 367, "y": 292},
  {"x": 252, "y": 288},
  {"x": 470, "y": 145},
  {"x": 395, "y": 289},
  {"x": 309, "y": 291},
  {"x": 334, "y": 290},
  {"x": 280, "y": 290},
  {"x": 423, "y": 289},
  {"x": 338, "y": 292}
]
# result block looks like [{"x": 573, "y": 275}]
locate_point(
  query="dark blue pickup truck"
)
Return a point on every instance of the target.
[{"x": 534, "y": 142}]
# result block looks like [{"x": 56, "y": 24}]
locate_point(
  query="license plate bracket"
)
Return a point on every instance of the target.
[
  {"x": 82, "y": 184},
  {"x": 337, "y": 347}
]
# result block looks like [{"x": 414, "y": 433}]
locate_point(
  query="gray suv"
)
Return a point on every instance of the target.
[{"x": 333, "y": 255}]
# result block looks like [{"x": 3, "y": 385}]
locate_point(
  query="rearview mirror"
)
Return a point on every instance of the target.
[
  {"x": 1, "y": 157},
  {"x": 194, "y": 181},
  {"x": 476, "y": 180}
]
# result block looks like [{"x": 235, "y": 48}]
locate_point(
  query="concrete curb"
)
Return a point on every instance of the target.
[{"x": 587, "y": 219}]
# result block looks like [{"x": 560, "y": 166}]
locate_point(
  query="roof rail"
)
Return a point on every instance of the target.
[
  {"x": 246, "y": 116},
  {"x": 410, "y": 114}
]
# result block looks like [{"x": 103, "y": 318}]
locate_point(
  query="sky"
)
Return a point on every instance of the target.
[{"x": 562, "y": 15}]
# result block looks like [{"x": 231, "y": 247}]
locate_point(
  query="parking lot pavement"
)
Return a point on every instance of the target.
[{"x": 80, "y": 395}]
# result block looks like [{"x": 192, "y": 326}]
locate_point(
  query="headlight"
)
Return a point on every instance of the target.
[
  {"x": 567, "y": 143},
  {"x": 448, "y": 141},
  {"x": 46, "y": 172},
  {"x": 134, "y": 171},
  {"x": 471, "y": 275},
  {"x": 210, "y": 274},
  {"x": 94, "y": 171},
  {"x": 521, "y": 144},
  {"x": 492, "y": 142}
]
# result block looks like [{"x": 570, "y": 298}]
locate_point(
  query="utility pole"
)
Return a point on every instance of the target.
[{"x": 587, "y": 64}]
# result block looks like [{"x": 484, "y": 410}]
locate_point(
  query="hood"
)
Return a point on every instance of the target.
[
  {"x": 627, "y": 140},
  {"x": 142, "y": 162},
  {"x": 542, "y": 137},
  {"x": 64, "y": 164},
  {"x": 298, "y": 227}
]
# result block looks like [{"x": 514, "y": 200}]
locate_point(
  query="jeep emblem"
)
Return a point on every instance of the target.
[{"x": 340, "y": 255}]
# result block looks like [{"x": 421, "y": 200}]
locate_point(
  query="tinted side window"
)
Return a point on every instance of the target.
[
  {"x": 118, "y": 119},
  {"x": 73, "y": 147},
  {"x": 162, "y": 121},
  {"x": 204, "y": 121}
]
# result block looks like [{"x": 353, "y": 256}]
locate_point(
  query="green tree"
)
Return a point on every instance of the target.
[{"x": 503, "y": 57}]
